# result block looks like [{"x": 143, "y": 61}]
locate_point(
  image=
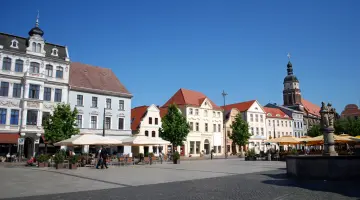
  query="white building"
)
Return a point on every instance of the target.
[
  {"x": 95, "y": 91},
  {"x": 206, "y": 123},
  {"x": 146, "y": 120},
  {"x": 34, "y": 77},
  {"x": 278, "y": 123},
  {"x": 253, "y": 113}
]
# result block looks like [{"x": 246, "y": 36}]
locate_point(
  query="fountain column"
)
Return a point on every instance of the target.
[{"x": 327, "y": 127}]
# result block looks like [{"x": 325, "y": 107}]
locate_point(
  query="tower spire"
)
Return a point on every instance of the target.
[
  {"x": 289, "y": 66},
  {"x": 37, "y": 19},
  {"x": 289, "y": 56}
]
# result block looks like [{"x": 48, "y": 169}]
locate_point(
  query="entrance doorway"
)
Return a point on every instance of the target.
[
  {"x": 28, "y": 147},
  {"x": 233, "y": 148},
  {"x": 207, "y": 146}
]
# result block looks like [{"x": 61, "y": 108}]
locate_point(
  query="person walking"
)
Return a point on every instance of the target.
[
  {"x": 161, "y": 156},
  {"x": 104, "y": 155},
  {"x": 98, "y": 156}
]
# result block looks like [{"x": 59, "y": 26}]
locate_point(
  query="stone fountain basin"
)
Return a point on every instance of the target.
[{"x": 323, "y": 167}]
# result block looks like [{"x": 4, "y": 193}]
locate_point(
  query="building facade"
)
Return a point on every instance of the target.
[
  {"x": 278, "y": 123},
  {"x": 230, "y": 116},
  {"x": 146, "y": 120},
  {"x": 100, "y": 98},
  {"x": 34, "y": 78},
  {"x": 206, "y": 123},
  {"x": 253, "y": 113}
]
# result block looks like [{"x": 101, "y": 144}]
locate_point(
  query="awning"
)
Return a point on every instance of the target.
[{"x": 9, "y": 138}]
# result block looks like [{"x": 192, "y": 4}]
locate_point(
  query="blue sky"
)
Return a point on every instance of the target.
[{"x": 157, "y": 47}]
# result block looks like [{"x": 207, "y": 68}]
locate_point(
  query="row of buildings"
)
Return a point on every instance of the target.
[{"x": 36, "y": 75}]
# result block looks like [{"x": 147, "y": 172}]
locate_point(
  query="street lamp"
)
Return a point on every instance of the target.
[{"x": 224, "y": 118}]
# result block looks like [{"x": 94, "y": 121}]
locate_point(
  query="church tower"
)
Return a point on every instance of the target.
[{"x": 291, "y": 92}]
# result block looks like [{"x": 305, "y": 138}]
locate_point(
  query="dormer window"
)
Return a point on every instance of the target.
[
  {"x": 36, "y": 47},
  {"x": 14, "y": 44},
  {"x": 269, "y": 114},
  {"x": 277, "y": 115},
  {"x": 54, "y": 52}
]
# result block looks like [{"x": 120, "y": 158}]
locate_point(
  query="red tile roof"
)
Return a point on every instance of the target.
[
  {"x": 137, "y": 114},
  {"x": 9, "y": 138},
  {"x": 275, "y": 113},
  {"x": 242, "y": 106},
  {"x": 188, "y": 97},
  {"x": 87, "y": 77},
  {"x": 311, "y": 108},
  {"x": 163, "y": 112}
]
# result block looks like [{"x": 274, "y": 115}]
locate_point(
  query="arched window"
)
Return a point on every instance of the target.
[
  {"x": 54, "y": 52},
  {"x": 34, "y": 67},
  {"x": 33, "y": 45},
  {"x": 49, "y": 70},
  {"x": 38, "y": 47},
  {"x": 19, "y": 65},
  {"x": 146, "y": 133},
  {"x": 14, "y": 43},
  {"x": 59, "y": 72},
  {"x": 6, "y": 64}
]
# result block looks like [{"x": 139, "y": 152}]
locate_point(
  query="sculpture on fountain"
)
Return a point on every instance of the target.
[{"x": 328, "y": 113}]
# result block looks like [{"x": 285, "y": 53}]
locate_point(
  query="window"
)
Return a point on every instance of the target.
[
  {"x": 58, "y": 93},
  {"x": 79, "y": 100},
  {"x": 34, "y": 91},
  {"x": 219, "y": 149},
  {"x": 79, "y": 121},
  {"x": 196, "y": 111},
  {"x": 261, "y": 118},
  {"x": 150, "y": 120},
  {"x": 54, "y": 52},
  {"x": 192, "y": 126},
  {"x": 14, "y": 44},
  {"x": 197, "y": 126},
  {"x": 19, "y": 65},
  {"x": 218, "y": 114},
  {"x": 277, "y": 123},
  {"x": 59, "y": 72},
  {"x": 4, "y": 91},
  {"x": 206, "y": 127},
  {"x": 214, "y": 127},
  {"x": 251, "y": 117},
  {"x": 38, "y": 47},
  {"x": 108, "y": 103},
  {"x": 278, "y": 134},
  {"x": 256, "y": 118},
  {"x": 197, "y": 148},
  {"x": 33, "y": 47},
  {"x": 282, "y": 133},
  {"x": 294, "y": 124},
  {"x": 94, "y": 102},
  {"x": 156, "y": 121},
  {"x": 257, "y": 130},
  {"x": 47, "y": 94},
  {"x": 121, "y": 105},
  {"x": 252, "y": 130},
  {"x": 34, "y": 67},
  {"x": 300, "y": 124},
  {"x": 228, "y": 133},
  {"x": 285, "y": 123},
  {"x": 270, "y": 133},
  {"x": 205, "y": 113},
  {"x": 6, "y": 64},
  {"x": 121, "y": 124},
  {"x": 296, "y": 134},
  {"x": 269, "y": 122},
  {"x": 262, "y": 131},
  {"x": 14, "y": 117},
  {"x": 17, "y": 90},
  {"x": 219, "y": 127},
  {"x": 45, "y": 116},
  {"x": 153, "y": 134},
  {"x": 282, "y": 123},
  {"x": 107, "y": 123},
  {"x": 3, "y": 115},
  {"x": 214, "y": 114},
  {"x": 286, "y": 133},
  {"x": 32, "y": 117},
  {"x": 190, "y": 111},
  {"x": 49, "y": 70},
  {"x": 192, "y": 147},
  {"x": 146, "y": 133},
  {"x": 93, "y": 122}
]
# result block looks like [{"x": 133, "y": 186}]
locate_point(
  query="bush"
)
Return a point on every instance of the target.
[
  {"x": 42, "y": 158},
  {"x": 251, "y": 153},
  {"x": 59, "y": 157},
  {"x": 73, "y": 159},
  {"x": 293, "y": 152},
  {"x": 176, "y": 156},
  {"x": 151, "y": 154}
]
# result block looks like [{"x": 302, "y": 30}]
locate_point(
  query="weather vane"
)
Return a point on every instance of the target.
[
  {"x": 37, "y": 19},
  {"x": 289, "y": 56}
]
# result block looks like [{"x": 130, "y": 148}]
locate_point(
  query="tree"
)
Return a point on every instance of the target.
[
  {"x": 240, "y": 131},
  {"x": 61, "y": 124},
  {"x": 314, "y": 131},
  {"x": 349, "y": 126},
  {"x": 174, "y": 128}
]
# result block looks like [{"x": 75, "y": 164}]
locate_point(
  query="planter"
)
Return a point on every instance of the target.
[
  {"x": 59, "y": 166},
  {"x": 72, "y": 166},
  {"x": 176, "y": 161},
  {"x": 43, "y": 164}
]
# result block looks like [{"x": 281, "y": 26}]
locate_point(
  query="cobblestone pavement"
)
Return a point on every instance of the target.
[{"x": 220, "y": 179}]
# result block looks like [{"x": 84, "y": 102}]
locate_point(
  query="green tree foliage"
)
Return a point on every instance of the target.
[
  {"x": 240, "y": 131},
  {"x": 174, "y": 126},
  {"x": 61, "y": 124},
  {"x": 314, "y": 131},
  {"x": 349, "y": 126}
]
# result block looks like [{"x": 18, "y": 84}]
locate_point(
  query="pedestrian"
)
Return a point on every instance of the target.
[
  {"x": 98, "y": 156},
  {"x": 161, "y": 156},
  {"x": 104, "y": 155}
]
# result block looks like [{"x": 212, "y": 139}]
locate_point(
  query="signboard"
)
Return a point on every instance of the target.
[{"x": 21, "y": 141}]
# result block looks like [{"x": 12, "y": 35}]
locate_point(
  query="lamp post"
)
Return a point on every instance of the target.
[{"x": 224, "y": 117}]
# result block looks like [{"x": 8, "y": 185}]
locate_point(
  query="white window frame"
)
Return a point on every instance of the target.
[
  {"x": 97, "y": 121},
  {"x": 54, "y": 52},
  {"x": 82, "y": 121},
  {"x": 123, "y": 123},
  {"x": 14, "y": 44}
]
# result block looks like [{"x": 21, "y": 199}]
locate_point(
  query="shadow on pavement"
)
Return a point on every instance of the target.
[{"x": 345, "y": 188}]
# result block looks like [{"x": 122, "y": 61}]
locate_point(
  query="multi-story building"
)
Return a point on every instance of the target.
[
  {"x": 34, "y": 77},
  {"x": 98, "y": 95},
  {"x": 253, "y": 113},
  {"x": 146, "y": 120},
  {"x": 230, "y": 116},
  {"x": 205, "y": 119},
  {"x": 352, "y": 111},
  {"x": 278, "y": 123}
]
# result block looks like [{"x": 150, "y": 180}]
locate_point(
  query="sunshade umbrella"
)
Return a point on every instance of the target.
[
  {"x": 88, "y": 139},
  {"x": 140, "y": 140},
  {"x": 320, "y": 139},
  {"x": 288, "y": 139}
]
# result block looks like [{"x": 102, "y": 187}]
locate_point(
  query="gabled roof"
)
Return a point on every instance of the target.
[
  {"x": 275, "y": 113},
  {"x": 137, "y": 114},
  {"x": 242, "y": 106},
  {"x": 189, "y": 98},
  {"x": 95, "y": 79},
  {"x": 163, "y": 112},
  {"x": 310, "y": 107}
]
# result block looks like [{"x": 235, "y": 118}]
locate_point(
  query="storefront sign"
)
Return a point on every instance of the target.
[{"x": 21, "y": 141}]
